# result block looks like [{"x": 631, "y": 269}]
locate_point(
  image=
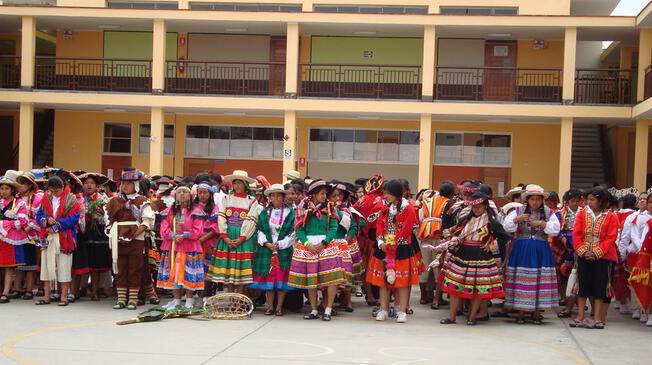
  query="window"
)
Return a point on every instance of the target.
[
  {"x": 117, "y": 137},
  {"x": 371, "y": 9},
  {"x": 245, "y": 7},
  {"x": 364, "y": 145},
  {"x": 234, "y": 141},
  {"x": 478, "y": 11},
  {"x": 143, "y": 139},
  {"x": 473, "y": 149},
  {"x": 142, "y": 5}
]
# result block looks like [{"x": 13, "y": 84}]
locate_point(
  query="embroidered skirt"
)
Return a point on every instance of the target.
[
  {"x": 347, "y": 261},
  {"x": 277, "y": 280},
  {"x": 11, "y": 255},
  {"x": 356, "y": 259},
  {"x": 312, "y": 271},
  {"x": 29, "y": 253},
  {"x": 188, "y": 271},
  {"x": 407, "y": 268},
  {"x": 530, "y": 277},
  {"x": 472, "y": 272},
  {"x": 232, "y": 265}
]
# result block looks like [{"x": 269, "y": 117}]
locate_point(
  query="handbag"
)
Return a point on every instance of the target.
[{"x": 571, "y": 286}]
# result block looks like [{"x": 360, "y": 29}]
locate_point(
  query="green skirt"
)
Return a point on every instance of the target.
[{"x": 232, "y": 265}]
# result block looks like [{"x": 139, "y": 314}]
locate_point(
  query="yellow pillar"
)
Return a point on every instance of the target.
[
  {"x": 157, "y": 141},
  {"x": 292, "y": 59},
  {"x": 184, "y": 4},
  {"x": 290, "y": 141},
  {"x": 307, "y": 6},
  {"x": 641, "y": 154},
  {"x": 429, "y": 62},
  {"x": 158, "y": 56},
  {"x": 26, "y": 137},
  {"x": 28, "y": 52},
  {"x": 425, "y": 151},
  {"x": 570, "y": 50},
  {"x": 565, "y": 155},
  {"x": 303, "y": 145},
  {"x": 644, "y": 60}
]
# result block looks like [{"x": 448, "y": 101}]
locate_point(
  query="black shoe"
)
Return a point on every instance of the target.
[
  {"x": 326, "y": 317},
  {"x": 311, "y": 316}
]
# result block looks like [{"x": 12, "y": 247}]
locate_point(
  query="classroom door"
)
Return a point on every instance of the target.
[
  {"x": 500, "y": 84},
  {"x": 115, "y": 164},
  {"x": 277, "y": 52}
]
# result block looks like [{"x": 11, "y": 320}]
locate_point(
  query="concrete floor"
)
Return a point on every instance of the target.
[{"x": 84, "y": 333}]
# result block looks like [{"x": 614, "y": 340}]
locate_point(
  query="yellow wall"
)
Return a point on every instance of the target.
[
  {"x": 552, "y": 56},
  {"x": 82, "y": 44}
]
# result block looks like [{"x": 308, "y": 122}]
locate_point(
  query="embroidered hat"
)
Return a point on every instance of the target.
[
  {"x": 292, "y": 174},
  {"x": 239, "y": 175},
  {"x": 29, "y": 177},
  {"x": 275, "y": 188},
  {"x": 315, "y": 186},
  {"x": 477, "y": 198},
  {"x": 375, "y": 183},
  {"x": 533, "y": 189},
  {"x": 13, "y": 174},
  {"x": 129, "y": 174},
  {"x": 4, "y": 180},
  {"x": 100, "y": 179},
  {"x": 72, "y": 180}
]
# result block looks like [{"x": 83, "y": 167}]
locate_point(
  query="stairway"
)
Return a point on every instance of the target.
[
  {"x": 587, "y": 164},
  {"x": 45, "y": 152}
]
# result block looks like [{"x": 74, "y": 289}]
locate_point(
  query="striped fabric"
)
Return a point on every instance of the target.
[
  {"x": 347, "y": 262},
  {"x": 312, "y": 271},
  {"x": 232, "y": 265},
  {"x": 472, "y": 272},
  {"x": 188, "y": 271},
  {"x": 531, "y": 279},
  {"x": 356, "y": 259}
]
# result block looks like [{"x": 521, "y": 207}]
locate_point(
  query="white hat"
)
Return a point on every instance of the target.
[
  {"x": 13, "y": 174},
  {"x": 275, "y": 188},
  {"x": 514, "y": 191},
  {"x": 239, "y": 175},
  {"x": 509, "y": 206},
  {"x": 533, "y": 189},
  {"x": 292, "y": 174}
]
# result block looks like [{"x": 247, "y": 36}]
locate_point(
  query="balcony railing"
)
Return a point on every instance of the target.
[
  {"x": 9, "y": 72},
  {"x": 360, "y": 81},
  {"x": 231, "y": 78},
  {"x": 498, "y": 84},
  {"x": 648, "y": 83},
  {"x": 93, "y": 74},
  {"x": 605, "y": 86}
]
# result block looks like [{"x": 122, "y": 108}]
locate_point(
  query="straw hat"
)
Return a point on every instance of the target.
[
  {"x": 292, "y": 174},
  {"x": 100, "y": 179},
  {"x": 4, "y": 180},
  {"x": 275, "y": 188},
  {"x": 239, "y": 175},
  {"x": 509, "y": 206},
  {"x": 13, "y": 174},
  {"x": 29, "y": 177},
  {"x": 533, "y": 189},
  {"x": 514, "y": 191}
]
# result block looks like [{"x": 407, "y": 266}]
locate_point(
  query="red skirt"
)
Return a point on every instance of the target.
[{"x": 407, "y": 272}]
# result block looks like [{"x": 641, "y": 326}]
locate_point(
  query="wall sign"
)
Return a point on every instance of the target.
[
  {"x": 287, "y": 154},
  {"x": 368, "y": 54},
  {"x": 501, "y": 51}
]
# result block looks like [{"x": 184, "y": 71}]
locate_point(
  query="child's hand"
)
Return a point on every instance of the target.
[{"x": 52, "y": 221}]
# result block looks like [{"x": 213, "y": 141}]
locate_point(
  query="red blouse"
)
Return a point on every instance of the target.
[
  {"x": 604, "y": 227},
  {"x": 406, "y": 221}
]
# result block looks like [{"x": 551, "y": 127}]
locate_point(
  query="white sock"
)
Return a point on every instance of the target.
[
  {"x": 328, "y": 310},
  {"x": 314, "y": 311},
  {"x": 189, "y": 302},
  {"x": 173, "y": 304}
]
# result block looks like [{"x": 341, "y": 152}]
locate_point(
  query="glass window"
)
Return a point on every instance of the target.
[
  {"x": 117, "y": 137},
  {"x": 506, "y": 11},
  {"x": 448, "y": 148},
  {"x": 343, "y": 144},
  {"x": 365, "y": 148},
  {"x": 197, "y": 142},
  {"x": 409, "y": 147},
  {"x": 279, "y": 138},
  {"x": 474, "y": 149},
  {"x": 264, "y": 142},
  {"x": 220, "y": 138},
  {"x": 497, "y": 149},
  {"x": 321, "y": 147},
  {"x": 142, "y": 5},
  {"x": 143, "y": 139},
  {"x": 422, "y": 10},
  {"x": 452, "y": 10},
  {"x": 388, "y": 142},
  {"x": 483, "y": 11},
  {"x": 241, "y": 142},
  {"x": 371, "y": 9},
  {"x": 472, "y": 152}
]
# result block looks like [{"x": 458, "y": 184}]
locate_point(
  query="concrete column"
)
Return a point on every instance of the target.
[
  {"x": 641, "y": 154},
  {"x": 644, "y": 60},
  {"x": 26, "y": 137},
  {"x": 157, "y": 141},
  {"x": 307, "y": 6},
  {"x": 292, "y": 60},
  {"x": 425, "y": 151},
  {"x": 429, "y": 62},
  {"x": 565, "y": 155},
  {"x": 290, "y": 142},
  {"x": 570, "y": 50},
  {"x": 28, "y": 53},
  {"x": 184, "y": 4},
  {"x": 158, "y": 57}
]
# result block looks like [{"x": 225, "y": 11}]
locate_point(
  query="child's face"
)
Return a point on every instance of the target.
[
  {"x": 204, "y": 195},
  {"x": 183, "y": 196},
  {"x": 573, "y": 203},
  {"x": 642, "y": 201},
  {"x": 292, "y": 196},
  {"x": 5, "y": 191},
  {"x": 55, "y": 191},
  {"x": 24, "y": 188},
  {"x": 319, "y": 197},
  {"x": 128, "y": 187},
  {"x": 90, "y": 187},
  {"x": 335, "y": 197},
  {"x": 277, "y": 199},
  {"x": 239, "y": 186}
]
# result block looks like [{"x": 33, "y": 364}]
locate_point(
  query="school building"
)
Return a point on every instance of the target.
[{"x": 507, "y": 91}]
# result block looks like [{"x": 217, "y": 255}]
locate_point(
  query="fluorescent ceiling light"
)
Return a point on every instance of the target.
[
  {"x": 365, "y": 32},
  {"x": 371, "y": 117},
  {"x": 108, "y": 26},
  {"x": 499, "y": 35},
  {"x": 236, "y": 29},
  {"x": 235, "y": 114},
  {"x": 114, "y": 110}
]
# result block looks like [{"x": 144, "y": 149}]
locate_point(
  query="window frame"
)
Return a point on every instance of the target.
[
  {"x": 483, "y": 134},
  {"x": 173, "y": 138},
  {"x": 104, "y": 137},
  {"x": 229, "y": 156},
  {"x": 154, "y": 3}
]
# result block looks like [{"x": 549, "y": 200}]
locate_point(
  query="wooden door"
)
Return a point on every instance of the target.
[
  {"x": 277, "y": 53},
  {"x": 494, "y": 176},
  {"x": 7, "y": 144},
  {"x": 115, "y": 163},
  {"x": 500, "y": 84}
]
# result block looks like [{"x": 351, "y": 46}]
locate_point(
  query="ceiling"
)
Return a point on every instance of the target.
[{"x": 593, "y": 7}]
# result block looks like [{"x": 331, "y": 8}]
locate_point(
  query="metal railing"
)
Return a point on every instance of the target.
[
  {"x": 498, "y": 84},
  {"x": 9, "y": 72},
  {"x": 231, "y": 78},
  {"x": 360, "y": 81},
  {"x": 605, "y": 86},
  {"x": 93, "y": 74}
]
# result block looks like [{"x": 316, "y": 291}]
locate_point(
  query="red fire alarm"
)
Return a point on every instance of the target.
[
  {"x": 182, "y": 41},
  {"x": 302, "y": 162}
]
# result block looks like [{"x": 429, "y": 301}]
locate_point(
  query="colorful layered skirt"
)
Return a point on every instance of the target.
[
  {"x": 11, "y": 255},
  {"x": 347, "y": 261},
  {"x": 530, "y": 282},
  {"x": 356, "y": 259},
  {"x": 232, "y": 265},
  {"x": 407, "y": 268},
  {"x": 188, "y": 271},
  {"x": 472, "y": 272},
  {"x": 312, "y": 271},
  {"x": 276, "y": 280}
]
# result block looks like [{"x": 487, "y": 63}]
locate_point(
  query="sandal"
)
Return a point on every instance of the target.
[
  {"x": 279, "y": 313},
  {"x": 409, "y": 311},
  {"x": 132, "y": 305},
  {"x": 434, "y": 305},
  {"x": 4, "y": 299},
  {"x": 269, "y": 312},
  {"x": 42, "y": 302},
  {"x": 311, "y": 316},
  {"x": 40, "y": 292},
  {"x": 563, "y": 314},
  {"x": 598, "y": 325},
  {"x": 63, "y": 303},
  {"x": 575, "y": 323},
  {"x": 471, "y": 322},
  {"x": 483, "y": 319},
  {"x": 15, "y": 295},
  {"x": 447, "y": 321},
  {"x": 537, "y": 321},
  {"x": 28, "y": 296},
  {"x": 520, "y": 320},
  {"x": 348, "y": 309},
  {"x": 120, "y": 305}
]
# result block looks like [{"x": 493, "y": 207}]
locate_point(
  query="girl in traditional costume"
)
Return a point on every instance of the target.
[
  {"x": 206, "y": 211},
  {"x": 530, "y": 279},
  {"x": 238, "y": 216},
  {"x": 276, "y": 239},
  {"x": 473, "y": 270},
  {"x": 640, "y": 279},
  {"x": 394, "y": 264},
  {"x": 316, "y": 262},
  {"x": 566, "y": 217},
  {"x": 181, "y": 269},
  {"x": 13, "y": 217},
  {"x": 594, "y": 240},
  {"x": 32, "y": 196}
]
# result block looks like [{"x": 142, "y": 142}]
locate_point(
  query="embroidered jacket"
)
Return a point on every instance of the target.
[{"x": 596, "y": 233}]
